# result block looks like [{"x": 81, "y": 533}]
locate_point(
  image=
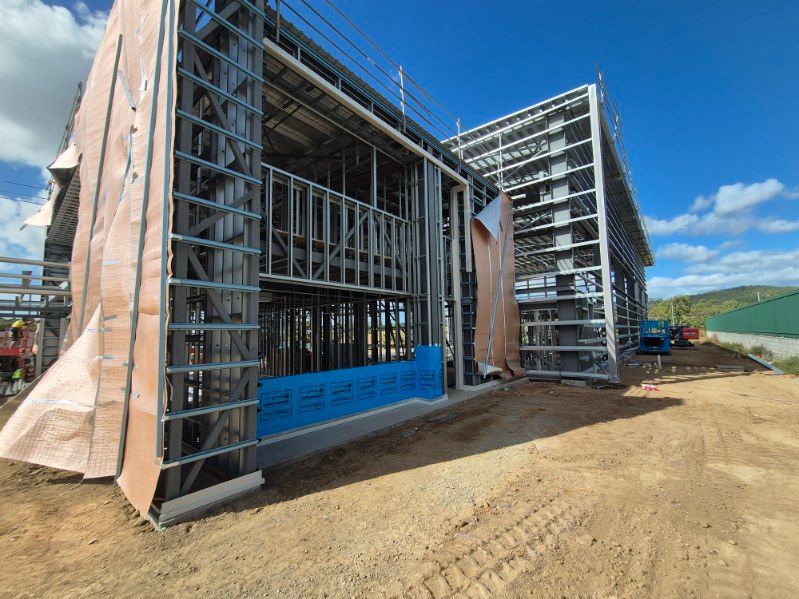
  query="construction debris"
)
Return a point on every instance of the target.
[{"x": 767, "y": 364}]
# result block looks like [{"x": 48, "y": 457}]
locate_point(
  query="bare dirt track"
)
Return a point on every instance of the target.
[{"x": 543, "y": 489}]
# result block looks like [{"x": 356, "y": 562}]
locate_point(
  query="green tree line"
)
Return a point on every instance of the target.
[
  {"x": 694, "y": 310},
  {"x": 682, "y": 309}
]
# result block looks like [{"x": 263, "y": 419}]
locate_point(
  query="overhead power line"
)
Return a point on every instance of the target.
[
  {"x": 22, "y": 195},
  {"x": 23, "y": 184},
  {"x": 5, "y": 197}
]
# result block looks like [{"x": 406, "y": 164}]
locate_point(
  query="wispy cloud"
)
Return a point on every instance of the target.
[
  {"x": 731, "y": 211},
  {"x": 670, "y": 226},
  {"x": 687, "y": 253},
  {"x": 756, "y": 267},
  {"x": 777, "y": 225}
]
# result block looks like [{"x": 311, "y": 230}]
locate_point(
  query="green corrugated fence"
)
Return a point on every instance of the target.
[{"x": 778, "y": 316}]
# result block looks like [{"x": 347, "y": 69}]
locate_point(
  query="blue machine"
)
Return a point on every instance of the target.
[{"x": 654, "y": 337}]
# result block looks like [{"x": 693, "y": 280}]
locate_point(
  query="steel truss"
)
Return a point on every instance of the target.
[{"x": 581, "y": 246}]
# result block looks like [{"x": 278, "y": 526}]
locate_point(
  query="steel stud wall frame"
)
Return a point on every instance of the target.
[
  {"x": 212, "y": 341},
  {"x": 328, "y": 131},
  {"x": 581, "y": 245}
]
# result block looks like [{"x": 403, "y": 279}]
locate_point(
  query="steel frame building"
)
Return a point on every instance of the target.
[
  {"x": 317, "y": 225},
  {"x": 50, "y": 288},
  {"x": 581, "y": 243},
  {"x": 311, "y": 217}
]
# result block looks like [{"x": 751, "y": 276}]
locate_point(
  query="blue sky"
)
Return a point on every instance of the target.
[{"x": 707, "y": 92}]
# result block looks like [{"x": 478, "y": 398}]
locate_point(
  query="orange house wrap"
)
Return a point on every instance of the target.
[
  {"x": 496, "y": 343},
  {"x": 72, "y": 419}
]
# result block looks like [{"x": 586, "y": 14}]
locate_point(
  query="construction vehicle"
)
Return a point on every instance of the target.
[
  {"x": 680, "y": 335},
  {"x": 16, "y": 359},
  {"x": 654, "y": 337}
]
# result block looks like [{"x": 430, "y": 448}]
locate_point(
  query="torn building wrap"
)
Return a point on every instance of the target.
[
  {"x": 496, "y": 343},
  {"x": 72, "y": 419}
]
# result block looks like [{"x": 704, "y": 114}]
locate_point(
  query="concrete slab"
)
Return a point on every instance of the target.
[{"x": 296, "y": 445}]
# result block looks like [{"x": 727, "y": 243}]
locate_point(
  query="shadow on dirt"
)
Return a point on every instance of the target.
[{"x": 499, "y": 419}]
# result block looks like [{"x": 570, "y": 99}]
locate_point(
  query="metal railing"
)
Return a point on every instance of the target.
[
  {"x": 330, "y": 27},
  {"x": 613, "y": 117}
]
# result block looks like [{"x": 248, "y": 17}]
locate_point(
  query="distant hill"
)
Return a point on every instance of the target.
[
  {"x": 695, "y": 309},
  {"x": 746, "y": 294}
]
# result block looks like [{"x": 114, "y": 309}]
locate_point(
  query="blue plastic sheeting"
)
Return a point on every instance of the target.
[{"x": 290, "y": 402}]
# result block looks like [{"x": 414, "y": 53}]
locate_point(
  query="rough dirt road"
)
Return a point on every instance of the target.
[{"x": 542, "y": 490}]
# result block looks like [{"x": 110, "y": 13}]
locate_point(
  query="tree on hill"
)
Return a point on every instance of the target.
[{"x": 694, "y": 310}]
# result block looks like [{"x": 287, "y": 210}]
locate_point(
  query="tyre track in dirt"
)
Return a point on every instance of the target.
[
  {"x": 483, "y": 558},
  {"x": 537, "y": 490}
]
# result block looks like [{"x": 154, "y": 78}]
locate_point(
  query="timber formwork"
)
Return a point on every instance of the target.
[{"x": 581, "y": 244}]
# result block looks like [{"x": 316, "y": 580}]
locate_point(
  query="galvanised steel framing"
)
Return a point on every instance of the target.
[
  {"x": 581, "y": 245},
  {"x": 53, "y": 307},
  {"x": 405, "y": 196},
  {"x": 318, "y": 225},
  {"x": 211, "y": 351},
  {"x": 315, "y": 225},
  {"x": 322, "y": 237}
]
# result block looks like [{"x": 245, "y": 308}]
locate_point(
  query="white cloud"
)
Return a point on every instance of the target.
[
  {"x": 732, "y": 212},
  {"x": 13, "y": 242},
  {"x": 738, "y": 197},
  {"x": 756, "y": 267},
  {"x": 694, "y": 224},
  {"x": 700, "y": 203},
  {"x": 46, "y": 51},
  {"x": 687, "y": 253},
  {"x": 678, "y": 224},
  {"x": 777, "y": 225},
  {"x": 730, "y": 243}
]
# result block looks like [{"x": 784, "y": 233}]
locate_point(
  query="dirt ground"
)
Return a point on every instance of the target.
[{"x": 539, "y": 489}]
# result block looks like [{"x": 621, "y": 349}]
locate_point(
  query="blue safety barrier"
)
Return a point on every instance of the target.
[{"x": 299, "y": 400}]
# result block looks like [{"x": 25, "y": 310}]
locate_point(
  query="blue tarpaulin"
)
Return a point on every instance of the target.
[{"x": 290, "y": 402}]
